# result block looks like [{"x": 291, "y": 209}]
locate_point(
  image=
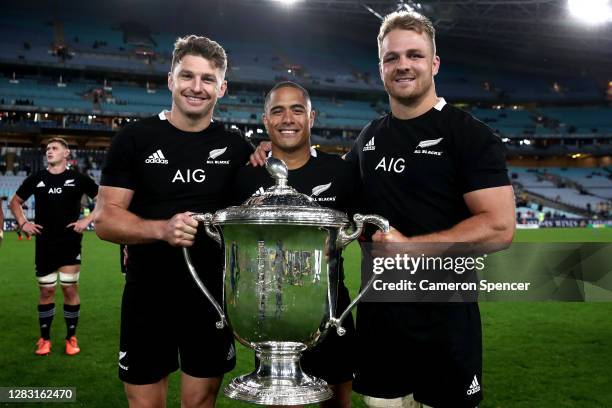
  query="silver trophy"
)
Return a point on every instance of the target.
[{"x": 281, "y": 276}]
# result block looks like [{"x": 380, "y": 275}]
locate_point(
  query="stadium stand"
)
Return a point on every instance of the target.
[{"x": 89, "y": 75}]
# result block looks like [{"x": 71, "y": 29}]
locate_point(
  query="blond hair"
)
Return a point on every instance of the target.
[{"x": 406, "y": 20}]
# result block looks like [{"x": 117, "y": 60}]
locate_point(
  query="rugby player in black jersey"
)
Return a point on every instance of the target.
[
  {"x": 288, "y": 118},
  {"x": 57, "y": 192},
  {"x": 1, "y": 221},
  {"x": 438, "y": 175},
  {"x": 157, "y": 171}
]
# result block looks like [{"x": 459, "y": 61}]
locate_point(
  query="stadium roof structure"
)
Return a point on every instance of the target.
[{"x": 531, "y": 30}]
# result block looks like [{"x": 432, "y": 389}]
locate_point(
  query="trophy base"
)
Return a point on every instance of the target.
[{"x": 278, "y": 378}]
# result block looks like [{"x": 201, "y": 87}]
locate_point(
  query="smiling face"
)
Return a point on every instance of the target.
[
  {"x": 288, "y": 119},
  {"x": 407, "y": 66},
  {"x": 196, "y": 84},
  {"x": 56, "y": 154}
]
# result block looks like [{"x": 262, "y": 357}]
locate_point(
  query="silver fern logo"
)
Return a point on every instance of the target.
[
  {"x": 216, "y": 153},
  {"x": 428, "y": 143},
  {"x": 320, "y": 189}
]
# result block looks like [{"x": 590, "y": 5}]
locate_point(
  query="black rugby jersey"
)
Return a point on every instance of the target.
[
  {"x": 57, "y": 201},
  {"x": 414, "y": 172},
  {"x": 328, "y": 179},
  {"x": 173, "y": 171}
]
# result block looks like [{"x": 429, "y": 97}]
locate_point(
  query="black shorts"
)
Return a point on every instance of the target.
[
  {"x": 165, "y": 327},
  {"x": 431, "y": 350},
  {"x": 51, "y": 255},
  {"x": 333, "y": 358}
]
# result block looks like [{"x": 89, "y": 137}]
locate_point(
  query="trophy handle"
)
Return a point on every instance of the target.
[
  {"x": 206, "y": 219},
  {"x": 344, "y": 239}
]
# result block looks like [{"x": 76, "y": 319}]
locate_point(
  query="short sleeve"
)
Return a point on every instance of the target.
[
  {"x": 118, "y": 168},
  {"x": 482, "y": 157},
  {"x": 89, "y": 186},
  {"x": 26, "y": 189}
]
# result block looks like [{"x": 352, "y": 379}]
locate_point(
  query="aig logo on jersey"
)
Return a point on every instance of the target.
[
  {"x": 212, "y": 156},
  {"x": 424, "y": 144},
  {"x": 55, "y": 190},
  {"x": 189, "y": 175},
  {"x": 394, "y": 164}
]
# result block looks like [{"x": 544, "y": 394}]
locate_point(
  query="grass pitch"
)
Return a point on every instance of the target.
[{"x": 535, "y": 354}]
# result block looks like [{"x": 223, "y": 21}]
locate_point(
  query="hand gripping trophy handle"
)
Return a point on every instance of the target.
[
  {"x": 206, "y": 219},
  {"x": 345, "y": 238}
]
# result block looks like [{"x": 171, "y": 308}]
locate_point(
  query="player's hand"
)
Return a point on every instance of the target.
[
  {"x": 78, "y": 226},
  {"x": 180, "y": 230},
  {"x": 387, "y": 237},
  {"x": 29, "y": 228},
  {"x": 386, "y": 244},
  {"x": 259, "y": 156}
]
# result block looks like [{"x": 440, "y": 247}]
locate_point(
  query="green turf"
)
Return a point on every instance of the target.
[{"x": 535, "y": 354}]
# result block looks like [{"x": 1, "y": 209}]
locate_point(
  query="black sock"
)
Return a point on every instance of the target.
[
  {"x": 71, "y": 315},
  {"x": 45, "y": 318}
]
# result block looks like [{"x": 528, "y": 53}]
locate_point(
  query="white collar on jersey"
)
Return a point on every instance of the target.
[
  {"x": 313, "y": 152},
  {"x": 162, "y": 115},
  {"x": 438, "y": 106}
]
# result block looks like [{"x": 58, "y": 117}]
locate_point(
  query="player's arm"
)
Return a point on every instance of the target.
[
  {"x": 492, "y": 222},
  {"x": 91, "y": 190},
  {"x": 1, "y": 221},
  {"x": 82, "y": 224},
  {"x": 24, "y": 225},
  {"x": 115, "y": 223}
]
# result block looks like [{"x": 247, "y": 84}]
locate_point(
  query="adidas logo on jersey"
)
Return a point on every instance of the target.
[
  {"x": 259, "y": 192},
  {"x": 474, "y": 387},
  {"x": 369, "y": 146},
  {"x": 157, "y": 157},
  {"x": 231, "y": 353},
  {"x": 123, "y": 364},
  {"x": 40, "y": 184}
]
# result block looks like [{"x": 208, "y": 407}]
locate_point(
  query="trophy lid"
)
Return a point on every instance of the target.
[{"x": 281, "y": 204}]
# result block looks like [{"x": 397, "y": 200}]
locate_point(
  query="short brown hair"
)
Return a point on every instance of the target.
[
  {"x": 200, "y": 46},
  {"x": 59, "y": 140},
  {"x": 406, "y": 20}
]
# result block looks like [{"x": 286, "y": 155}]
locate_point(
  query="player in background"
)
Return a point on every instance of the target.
[{"x": 58, "y": 191}]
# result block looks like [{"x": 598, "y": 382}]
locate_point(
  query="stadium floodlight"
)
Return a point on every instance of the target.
[
  {"x": 287, "y": 3},
  {"x": 591, "y": 11}
]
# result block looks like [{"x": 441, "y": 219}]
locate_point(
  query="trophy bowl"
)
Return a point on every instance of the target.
[{"x": 281, "y": 277}]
